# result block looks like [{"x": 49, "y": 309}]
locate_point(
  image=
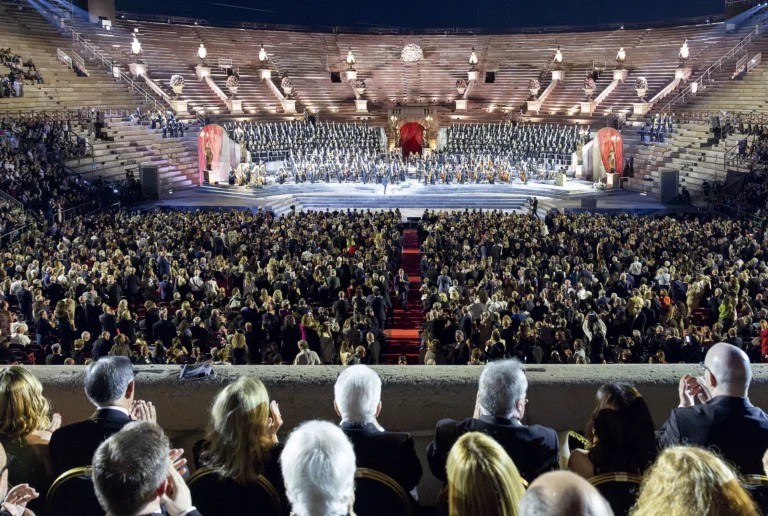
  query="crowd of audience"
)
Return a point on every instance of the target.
[
  {"x": 591, "y": 288},
  {"x": 12, "y": 82},
  {"x": 234, "y": 286},
  {"x": 492, "y": 463},
  {"x": 32, "y": 155}
]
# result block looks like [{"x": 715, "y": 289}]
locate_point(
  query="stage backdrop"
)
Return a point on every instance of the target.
[
  {"x": 215, "y": 148},
  {"x": 607, "y": 153},
  {"x": 411, "y": 138}
]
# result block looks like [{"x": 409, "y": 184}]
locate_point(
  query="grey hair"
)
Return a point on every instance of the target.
[
  {"x": 357, "y": 394},
  {"x": 502, "y": 385},
  {"x": 107, "y": 379},
  {"x": 129, "y": 467},
  {"x": 318, "y": 465}
]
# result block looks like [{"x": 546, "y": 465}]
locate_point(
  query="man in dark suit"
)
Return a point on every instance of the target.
[
  {"x": 25, "y": 300},
  {"x": 55, "y": 358},
  {"x": 108, "y": 321},
  {"x": 143, "y": 449},
  {"x": 357, "y": 399},
  {"x": 109, "y": 385},
  {"x": 102, "y": 346},
  {"x": 498, "y": 413},
  {"x": 725, "y": 420},
  {"x": 376, "y": 302},
  {"x": 164, "y": 330}
]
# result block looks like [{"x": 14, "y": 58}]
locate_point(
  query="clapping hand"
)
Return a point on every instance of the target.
[
  {"x": 275, "y": 422},
  {"x": 177, "y": 498},
  {"x": 691, "y": 388},
  {"x": 55, "y": 423},
  {"x": 143, "y": 411},
  {"x": 177, "y": 462}
]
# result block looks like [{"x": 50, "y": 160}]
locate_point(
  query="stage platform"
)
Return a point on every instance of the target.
[{"x": 411, "y": 197}]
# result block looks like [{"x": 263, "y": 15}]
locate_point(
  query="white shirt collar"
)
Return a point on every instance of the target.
[{"x": 114, "y": 407}]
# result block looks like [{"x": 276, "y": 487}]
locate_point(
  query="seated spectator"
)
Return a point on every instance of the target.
[
  {"x": 241, "y": 440},
  {"x": 306, "y": 356},
  {"x": 689, "y": 481},
  {"x": 724, "y": 415},
  {"x": 111, "y": 387},
  {"x": 25, "y": 428},
  {"x": 318, "y": 465},
  {"x": 499, "y": 411},
  {"x": 15, "y": 499},
  {"x": 55, "y": 358},
  {"x": 482, "y": 479},
  {"x": 357, "y": 399},
  {"x": 561, "y": 493},
  {"x": 143, "y": 449},
  {"x": 622, "y": 434},
  {"x": 19, "y": 336}
]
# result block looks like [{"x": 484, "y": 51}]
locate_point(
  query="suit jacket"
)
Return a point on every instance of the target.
[
  {"x": 534, "y": 449},
  {"x": 732, "y": 426},
  {"x": 391, "y": 453},
  {"x": 73, "y": 445}
]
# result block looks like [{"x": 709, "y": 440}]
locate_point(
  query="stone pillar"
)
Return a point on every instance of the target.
[
  {"x": 620, "y": 74},
  {"x": 641, "y": 108},
  {"x": 137, "y": 69},
  {"x": 179, "y": 106},
  {"x": 461, "y": 104},
  {"x": 361, "y": 106},
  {"x": 235, "y": 106},
  {"x": 202, "y": 72},
  {"x": 289, "y": 106}
]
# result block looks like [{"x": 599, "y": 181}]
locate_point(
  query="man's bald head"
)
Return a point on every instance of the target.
[
  {"x": 562, "y": 493},
  {"x": 730, "y": 367}
]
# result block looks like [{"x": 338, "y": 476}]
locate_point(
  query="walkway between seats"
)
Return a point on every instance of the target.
[{"x": 404, "y": 334}]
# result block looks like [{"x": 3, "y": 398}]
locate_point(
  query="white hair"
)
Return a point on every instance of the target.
[
  {"x": 502, "y": 385},
  {"x": 318, "y": 465},
  {"x": 357, "y": 393}
]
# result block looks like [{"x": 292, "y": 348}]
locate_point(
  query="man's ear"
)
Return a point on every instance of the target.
[
  {"x": 378, "y": 409},
  {"x": 336, "y": 408},
  {"x": 162, "y": 489},
  {"x": 129, "y": 390}
]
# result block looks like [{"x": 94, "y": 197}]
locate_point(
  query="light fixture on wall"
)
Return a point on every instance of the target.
[
  {"x": 684, "y": 53},
  {"x": 558, "y": 59},
  {"x": 621, "y": 57},
  {"x": 136, "y": 48},
  {"x": 473, "y": 59}
]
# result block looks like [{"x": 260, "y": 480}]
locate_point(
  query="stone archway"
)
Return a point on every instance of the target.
[
  {"x": 424, "y": 117},
  {"x": 411, "y": 138}
]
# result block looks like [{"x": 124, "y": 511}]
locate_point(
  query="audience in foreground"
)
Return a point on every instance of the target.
[
  {"x": 561, "y": 493},
  {"x": 111, "y": 387},
  {"x": 724, "y": 416},
  {"x": 482, "y": 479},
  {"x": 484, "y": 460},
  {"x": 690, "y": 481},
  {"x": 318, "y": 465},
  {"x": 133, "y": 474},
  {"x": 501, "y": 400},
  {"x": 357, "y": 399}
]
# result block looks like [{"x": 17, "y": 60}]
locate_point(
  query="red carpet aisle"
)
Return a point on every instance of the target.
[{"x": 404, "y": 334}]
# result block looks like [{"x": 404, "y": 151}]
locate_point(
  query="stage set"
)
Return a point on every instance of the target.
[{"x": 228, "y": 169}]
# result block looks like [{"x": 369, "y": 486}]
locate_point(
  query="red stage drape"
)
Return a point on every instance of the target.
[
  {"x": 212, "y": 136},
  {"x": 608, "y": 138},
  {"x": 411, "y": 138}
]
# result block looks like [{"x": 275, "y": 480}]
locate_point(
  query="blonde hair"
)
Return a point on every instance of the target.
[
  {"x": 23, "y": 409},
  {"x": 238, "y": 445},
  {"x": 482, "y": 479},
  {"x": 689, "y": 481}
]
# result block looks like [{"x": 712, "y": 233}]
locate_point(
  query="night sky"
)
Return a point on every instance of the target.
[{"x": 484, "y": 14}]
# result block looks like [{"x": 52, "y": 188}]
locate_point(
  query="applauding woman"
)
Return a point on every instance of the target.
[{"x": 241, "y": 440}]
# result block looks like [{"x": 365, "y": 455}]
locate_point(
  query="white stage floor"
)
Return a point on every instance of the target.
[{"x": 410, "y": 197}]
